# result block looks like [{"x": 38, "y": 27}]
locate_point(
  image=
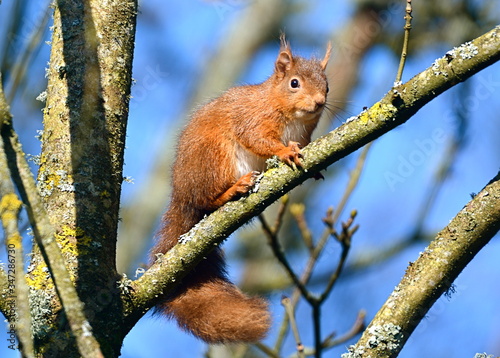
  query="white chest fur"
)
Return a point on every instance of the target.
[{"x": 246, "y": 161}]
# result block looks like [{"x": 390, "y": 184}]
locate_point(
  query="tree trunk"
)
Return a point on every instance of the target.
[{"x": 80, "y": 176}]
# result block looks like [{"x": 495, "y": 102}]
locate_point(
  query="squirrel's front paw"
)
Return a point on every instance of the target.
[{"x": 291, "y": 155}]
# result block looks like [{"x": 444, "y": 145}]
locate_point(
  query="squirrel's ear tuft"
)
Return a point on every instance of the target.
[
  {"x": 284, "y": 61},
  {"x": 283, "y": 42},
  {"x": 324, "y": 62}
]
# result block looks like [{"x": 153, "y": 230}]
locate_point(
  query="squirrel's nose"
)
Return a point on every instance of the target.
[{"x": 319, "y": 100}]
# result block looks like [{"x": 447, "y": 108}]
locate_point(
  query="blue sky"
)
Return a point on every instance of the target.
[{"x": 172, "y": 45}]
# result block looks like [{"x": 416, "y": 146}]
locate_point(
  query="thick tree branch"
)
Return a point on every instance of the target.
[
  {"x": 431, "y": 275},
  {"x": 44, "y": 235},
  {"x": 395, "y": 108},
  {"x": 80, "y": 174},
  {"x": 77, "y": 202},
  {"x": 17, "y": 294}
]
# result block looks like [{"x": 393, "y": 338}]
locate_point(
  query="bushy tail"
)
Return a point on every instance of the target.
[
  {"x": 207, "y": 304},
  {"x": 218, "y": 312}
]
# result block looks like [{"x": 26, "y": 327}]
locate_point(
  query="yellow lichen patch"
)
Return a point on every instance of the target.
[
  {"x": 364, "y": 117},
  {"x": 379, "y": 111},
  {"x": 39, "y": 277},
  {"x": 14, "y": 241},
  {"x": 9, "y": 207},
  {"x": 72, "y": 240},
  {"x": 58, "y": 178},
  {"x": 53, "y": 179},
  {"x": 105, "y": 194}
]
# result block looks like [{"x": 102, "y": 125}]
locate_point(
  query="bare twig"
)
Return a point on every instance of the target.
[
  {"x": 280, "y": 255},
  {"x": 344, "y": 238},
  {"x": 333, "y": 216},
  {"x": 287, "y": 303},
  {"x": 357, "y": 327},
  {"x": 316, "y": 250},
  {"x": 315, "y": 301},
  {"x": 354, "y": 177},
  {"x": 406, "y": 39},
  {"x": 22, "y": 64},
  {"x": 297, "y": 210},
  {"x": 285, "y": 199},
  {"x": 267, "y": 350}
]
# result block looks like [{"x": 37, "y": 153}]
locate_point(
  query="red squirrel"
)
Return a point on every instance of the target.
[{"x": 220, "y": 152}]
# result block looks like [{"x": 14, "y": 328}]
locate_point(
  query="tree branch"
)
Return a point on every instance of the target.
[
  {"x": 431, "y": 275},
  {"x": 44, "y": 234},
  {"x": 395, "y": 108},
  {"x": 17, "y": 290}
]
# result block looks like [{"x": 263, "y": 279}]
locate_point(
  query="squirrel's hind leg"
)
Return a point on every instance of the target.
[{"x": 241, "y": 187}]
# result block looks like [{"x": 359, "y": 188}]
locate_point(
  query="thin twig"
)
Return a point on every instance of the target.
[
  {"x": 287, "y": 303},
  {"x": 285, "y": 199},
  {"x": 335, "y": 214},
  {"x": 455, "y": 145},
  {"x": 297, "y": 210},
  {"x": 354, "y": 177},
  {"x": 278, "y": 252},
  {"x": 357, "y": 327},
  {"x": 267, "y": 350},
  {"x": 345, "y": 240},
  {"x": 406, "y": 39},
  {"x": 22, "y": 64},
  {"x": 316, "y": 312},
  {"x": 315, "y": 301}
]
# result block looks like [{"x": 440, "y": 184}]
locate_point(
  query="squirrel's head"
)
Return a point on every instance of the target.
[{"x": 302, "y": 83}]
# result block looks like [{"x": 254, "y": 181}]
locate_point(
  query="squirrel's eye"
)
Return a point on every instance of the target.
[
  {"x": 294, "y": 83},
  {"x": 327, "y": 89}
]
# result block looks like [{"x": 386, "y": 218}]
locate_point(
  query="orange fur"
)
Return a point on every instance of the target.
[{"x": 218, "y": 154}]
